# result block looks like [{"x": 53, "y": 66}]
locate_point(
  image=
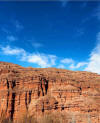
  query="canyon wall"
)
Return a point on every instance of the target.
[{"x": 39, "y": 91}]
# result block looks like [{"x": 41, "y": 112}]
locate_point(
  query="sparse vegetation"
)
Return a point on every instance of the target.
[
  {"x": 48, "y": 118},
  {"x": 4, "y": 119},
  {"x": 24, "y": 119}
]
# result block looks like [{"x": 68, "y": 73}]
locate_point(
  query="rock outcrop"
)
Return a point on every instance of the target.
[{"x": 39, "y": 91}]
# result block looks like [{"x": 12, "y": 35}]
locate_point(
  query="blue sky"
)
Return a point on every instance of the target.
[{"x": 61, "y": 34}]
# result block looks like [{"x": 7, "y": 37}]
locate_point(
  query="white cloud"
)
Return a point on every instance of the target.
[
  {"x": 42, "y": 60},
  {"x": 12, "y": 51},
  {"x": 93, "y": 64},
  {"x": 53, "y": 59},
  {"x": 47, "y": 60},
  {"x": 67, "y": 61},
  {"x": 94, "y": 60},
  {"x": 78, "y": 65},
  {"x": 71, "y": 64}
]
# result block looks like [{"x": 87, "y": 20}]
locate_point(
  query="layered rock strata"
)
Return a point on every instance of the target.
[{"x": 39, "y": 91}]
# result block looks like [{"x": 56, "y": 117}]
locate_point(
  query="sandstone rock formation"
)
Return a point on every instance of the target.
[{"x": 39, "y": 91}]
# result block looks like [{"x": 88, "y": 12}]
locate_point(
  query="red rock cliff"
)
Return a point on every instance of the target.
[{"x": 39, "y": 91}]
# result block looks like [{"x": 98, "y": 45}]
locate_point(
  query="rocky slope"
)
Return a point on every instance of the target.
[{"x": 39, "y": 91}]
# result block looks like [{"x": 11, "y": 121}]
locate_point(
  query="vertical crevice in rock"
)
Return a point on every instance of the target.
[
  {"x": 7, "y": 95},
  {"x": 26, "y": 100},
  {"x": 42, "y": 87},
  {"x": 43, "y": 107},
  {"x": 80, "y": 90},
  {"x": 13, "y": 84},
  {"x": 7, "y": 84},
  {"x": 46, "y": 85},
  {"x": 30, "y": 92},
  {"x": 13, "y": 105},
  {"x": 19, "y": 100},
  {"x": 7, "y": 100}
]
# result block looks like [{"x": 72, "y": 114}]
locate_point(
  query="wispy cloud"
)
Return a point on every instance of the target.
[
  {"x": 95, "y": 13},
  {"x": 9, "y": 35},
  {"x": 18, "y": 25},
  {"x": 78, "y": 65},
  {"x": 92, "y": 64},
  {"x": 42, "y": 60},
  {"x": 48, "y": 60},
  {"x": 5, "y": 30},
  {"x": 61, "y": 66},
  {"x": 11, "y": 38},
  {"x": 67, "y": 61},
  {"x": 72, "y": 64},
  {"x": 37, "y": 44},
  {"x": 94, "y": 60},
  {"x": 7, "y": 50}
]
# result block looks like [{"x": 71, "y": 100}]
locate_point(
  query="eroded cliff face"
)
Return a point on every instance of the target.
[{"x": 40, "y": 91}]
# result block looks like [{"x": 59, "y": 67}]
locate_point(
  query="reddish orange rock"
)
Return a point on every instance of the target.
[{"x": 49, "y": 90}]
